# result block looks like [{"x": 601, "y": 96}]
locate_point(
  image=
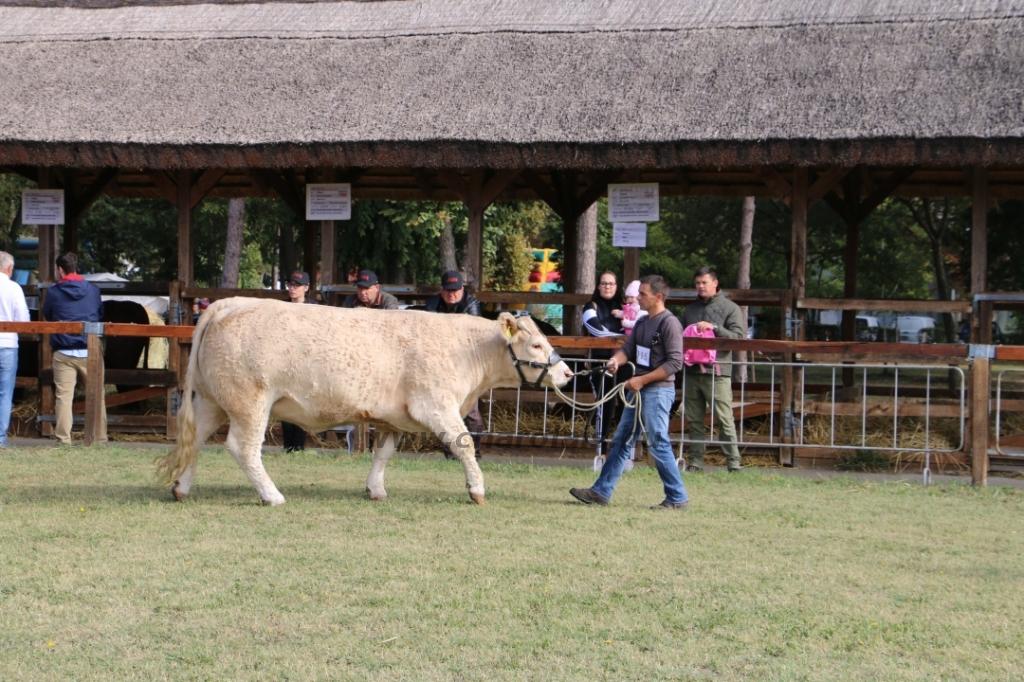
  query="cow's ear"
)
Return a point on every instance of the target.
[{"x": 508, "y": 325}]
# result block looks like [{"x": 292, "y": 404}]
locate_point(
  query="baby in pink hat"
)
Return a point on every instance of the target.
[{"x": 631, "y": 311}]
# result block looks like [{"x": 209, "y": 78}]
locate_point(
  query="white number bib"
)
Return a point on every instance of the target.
[{"x": 643, "y": 356}]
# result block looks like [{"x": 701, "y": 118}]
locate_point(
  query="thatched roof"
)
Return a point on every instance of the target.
[{"x": 514, "y": 83}]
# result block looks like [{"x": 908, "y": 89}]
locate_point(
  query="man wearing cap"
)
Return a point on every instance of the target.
[
  {"x": 369, "y": 295},
  {"x": 293, "y": 436},
  {"x": 454, "y": 299}
]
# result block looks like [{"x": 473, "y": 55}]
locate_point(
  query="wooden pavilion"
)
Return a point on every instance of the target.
[{"x": 842, "y": 101}]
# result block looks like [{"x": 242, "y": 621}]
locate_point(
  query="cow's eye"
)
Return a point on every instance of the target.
[{"x": 536, "y": 346}]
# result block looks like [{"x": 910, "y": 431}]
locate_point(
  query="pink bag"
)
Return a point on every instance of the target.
[{"x": 699, "y": 356}]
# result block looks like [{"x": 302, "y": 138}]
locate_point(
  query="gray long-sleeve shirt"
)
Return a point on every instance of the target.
[
  {"x": 729, "y": 318},
  {"x": 667, "y": 353}
]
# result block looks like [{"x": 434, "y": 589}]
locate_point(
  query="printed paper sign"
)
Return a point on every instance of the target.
[
  {"x": 42, "y": 207},
  {"x": 329, "y": 201},
  {"x": 627, "y": 235},
  {"x": 636, "y": 202}
]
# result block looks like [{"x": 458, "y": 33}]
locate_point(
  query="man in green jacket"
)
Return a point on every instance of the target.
[{"x": 711, "y": 385}]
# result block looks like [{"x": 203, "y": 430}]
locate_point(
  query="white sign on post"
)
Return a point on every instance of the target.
[
  {"x": 637, "y": 202},
  {"x": 329, "y": 201},
  {"x": 629, "y": 235},
  {"x": 42, "y": 207}
]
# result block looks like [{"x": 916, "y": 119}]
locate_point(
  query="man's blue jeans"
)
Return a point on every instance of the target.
[
  {"x": 655, "y": 405},
  {"x": 8, "y": 375}
]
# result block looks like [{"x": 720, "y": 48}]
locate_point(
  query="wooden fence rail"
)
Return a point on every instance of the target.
[{"x": 877, "y": 352}]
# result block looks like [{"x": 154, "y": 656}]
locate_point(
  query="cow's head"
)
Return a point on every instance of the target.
[{"x": 535, "y": 360}]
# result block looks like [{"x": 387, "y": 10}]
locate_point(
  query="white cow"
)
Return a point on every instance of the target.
[{"x": 320, "y": 367}]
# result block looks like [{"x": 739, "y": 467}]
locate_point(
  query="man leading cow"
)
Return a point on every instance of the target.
[{"x": 656, "y": 348}]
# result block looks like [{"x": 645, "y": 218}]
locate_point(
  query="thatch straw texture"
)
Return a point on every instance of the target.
[{"x": 510, "y": 73}]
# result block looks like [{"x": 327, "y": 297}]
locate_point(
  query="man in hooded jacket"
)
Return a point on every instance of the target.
[{"x": 71, "y": 299}]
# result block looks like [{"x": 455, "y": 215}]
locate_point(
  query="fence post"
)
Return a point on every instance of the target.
[
  {"x": 173, "y": 360},
  {"x": 981, "y": 395},
  {"x": 786, "y": 383},
  {"x": 95, "y": 414}
]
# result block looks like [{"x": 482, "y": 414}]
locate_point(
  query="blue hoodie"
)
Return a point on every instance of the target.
[{"x": 72, "y": 300}]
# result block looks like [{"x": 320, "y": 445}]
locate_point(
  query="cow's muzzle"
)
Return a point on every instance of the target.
[{"x": 553, "y": 360}]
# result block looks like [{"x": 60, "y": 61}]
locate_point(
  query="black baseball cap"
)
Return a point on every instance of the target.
[
  {"x": 366, "y": 279},
  {"x": 299, "y": 277},
  {"x": 451, "y": 281}
]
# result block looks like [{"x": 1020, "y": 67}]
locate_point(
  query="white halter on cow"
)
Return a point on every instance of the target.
[{"x": 319, "y": 367}]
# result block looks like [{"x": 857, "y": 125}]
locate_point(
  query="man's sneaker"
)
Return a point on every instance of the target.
[
  {"x": 675, "y": 506},
  {"x": 694, "y": 469},
  {"x": 588, "y": 496}
]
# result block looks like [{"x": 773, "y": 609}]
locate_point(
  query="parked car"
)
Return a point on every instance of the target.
[
  {"x": 867, "y": 328},
  {"x": 751, "y": 327},
  {"x": 915, "y": 329}
]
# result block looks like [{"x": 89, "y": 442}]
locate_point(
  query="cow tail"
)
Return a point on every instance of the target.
[{"x": 185, "y": 452}]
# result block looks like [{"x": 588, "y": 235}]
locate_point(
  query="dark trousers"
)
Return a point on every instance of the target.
[
  {"x": 475, "y": 424},
  {"x": 607, "y": 416},
  {"x": 293, "y": 436}
]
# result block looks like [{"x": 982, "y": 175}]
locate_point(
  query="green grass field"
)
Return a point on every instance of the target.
[{"x": 766, "y": 577}]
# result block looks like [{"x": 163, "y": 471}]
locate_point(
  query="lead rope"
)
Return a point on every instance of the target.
[{"x": 620, "y": 391}]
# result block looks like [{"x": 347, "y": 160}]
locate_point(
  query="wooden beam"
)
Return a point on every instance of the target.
[
  {"x": 455, "y": 183},
  {"x": 836, "y": 203},
  {"x": 980, "y": 379},
  {"x": 125, "y": 398},
  {"x": 825, "y": 183},
  {"x": 328, "y": 243},
  {"x": 474, "y": 265},
  {"x": 184, "y": 202},
  {"x": 165, "y": 184},
  {"x": 422, "y": 178},
  {"x": 95, "y": 410},
  {"x": 273, "y": 181},
  {"x": 883, "y": 191},
  {"x": 894, "y": 305},
  {"x": 798, "y": 256},
  {"x": 776, "y": 183},
  {"x": 979, "y": 230},
  {"x": 596, "y": 189},
  {"x": 546, "y": 193},
  {"x": 682, "y": 180},
  {"x": 310, "y": 236},
  {"x": 94, "y": 191},
  {"x": 497, "y": 184},
  {"x": 202, "y": 186}
]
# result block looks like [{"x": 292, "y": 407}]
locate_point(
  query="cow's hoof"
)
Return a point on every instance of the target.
[
  {"x": 272, "y": 503},
  {"x": 178, "y": 495},
  {"x": 478, "y": 498},
  {"x": 382, "y": 497}
]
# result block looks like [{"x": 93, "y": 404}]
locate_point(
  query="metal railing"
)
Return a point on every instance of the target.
[{"x": 1019, "y": 452}]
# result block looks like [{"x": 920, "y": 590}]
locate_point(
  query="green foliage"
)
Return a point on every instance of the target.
[
  {"x": 510, "y": 229},
  {"x": 10, "y": 209}
]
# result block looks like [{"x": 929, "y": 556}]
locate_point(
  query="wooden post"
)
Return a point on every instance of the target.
[
  {"x": 785, "y": 388},
  {"x": 630, "y": 265},
  {"x": 474, "y": 265},
  {"x": 47, "y": 273},
  {"x": 310, "y": 235},
  {"x": 72, "y": 213},
  {"x": 980, "y": 373},
  {"x": 851, "y": 191},
  {"x": 798, "y": 289},
  {"x": 185, "y": 268},
  {"x": 981, "y": 330},
  {"x": 95, "y": 428},
  {"x": 173, "y": 361},
  {"x": 328, "y": 245}
]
